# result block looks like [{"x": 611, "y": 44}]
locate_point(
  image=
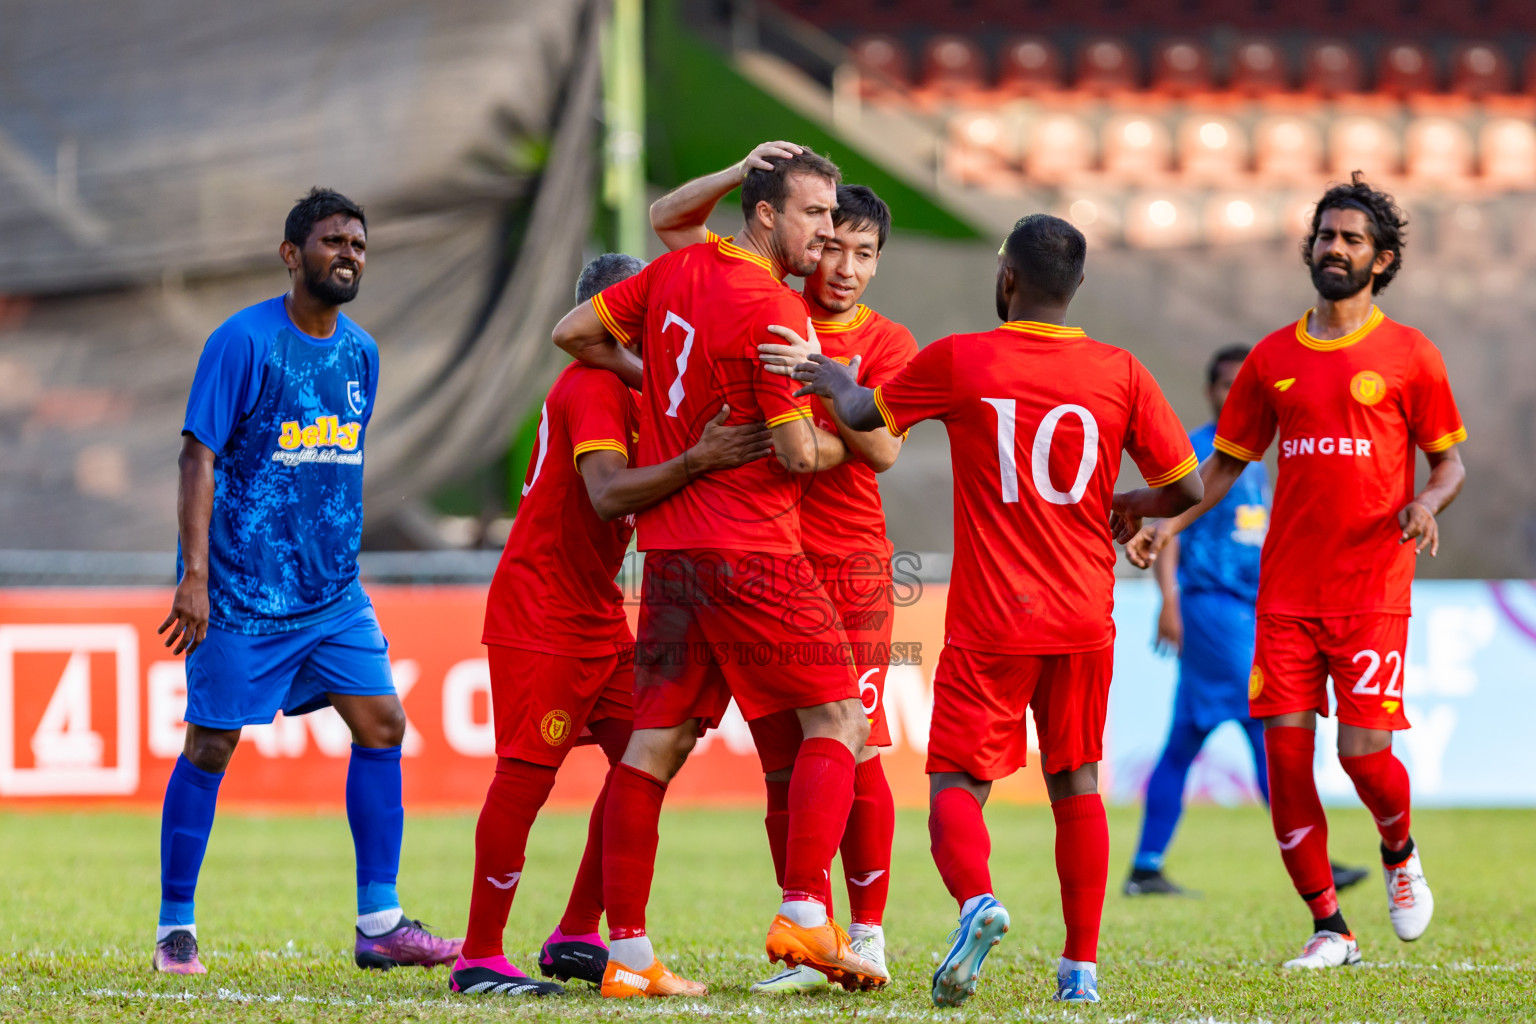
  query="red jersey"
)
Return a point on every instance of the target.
[
  {"x": 1037, "y": 417},
  {"x": 1347, "y": 411},
  {"x": 842, "y": 512},
  {"x": 554, "y": 588},
  {"x": 702, "y": 311}
]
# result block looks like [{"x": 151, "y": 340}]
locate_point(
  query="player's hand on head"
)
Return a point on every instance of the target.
[
  {"x": 764, "y": 153},
  {"x": 1419, "y": 525},
  {"x": 726, "y": 447},
  {"x": 782, "y": 359},
  {"x": 188, "y": 620}
]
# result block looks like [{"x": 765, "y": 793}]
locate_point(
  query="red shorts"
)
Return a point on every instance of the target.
[
  {"x": 721, "y": 624},
  {"x": 978, "y": 710},
  {"x": 1293, "y": 658},
  {"x": 860, "y": 588},
  {"x": 542, "y": 703}
]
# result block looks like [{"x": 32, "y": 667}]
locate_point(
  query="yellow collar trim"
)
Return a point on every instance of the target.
[
  {"x": 729, "y": 248},
  {"x": 1331, "y": 345},
  {"x": 860, "y": 318},
  {"x": 1045, "y": 330}
]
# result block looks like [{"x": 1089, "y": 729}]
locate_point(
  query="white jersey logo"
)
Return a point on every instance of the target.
[{"x": 1294, "y": 837}]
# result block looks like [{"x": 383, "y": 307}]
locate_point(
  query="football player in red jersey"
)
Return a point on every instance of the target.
[
  {"x": 725, "y": 579},
  {"x": 844, "y": 534},
  {"x": 560, "y": 648},
  {"x": 1350, "y": 394},
  {"x": 1038, "y": 415}
]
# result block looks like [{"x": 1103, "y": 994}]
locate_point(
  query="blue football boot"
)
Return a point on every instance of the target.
[{"x": 955, "y": 980}]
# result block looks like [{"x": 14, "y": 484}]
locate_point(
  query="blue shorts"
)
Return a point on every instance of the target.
[
  {"x": 235, "y": 680},
  {"x": 1216, "y": 659}
]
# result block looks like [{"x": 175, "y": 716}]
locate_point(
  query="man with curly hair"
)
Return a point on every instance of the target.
[{"x": 1350, "y": 393}]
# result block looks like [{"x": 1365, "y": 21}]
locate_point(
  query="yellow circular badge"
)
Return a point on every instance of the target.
[
  {"x": 556, "y": 728},
  {"x": 1255, "y": 683},
  {"x": 1368, "y": 387}
]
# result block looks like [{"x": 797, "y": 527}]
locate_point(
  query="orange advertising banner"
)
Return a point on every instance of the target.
[{"x": 91, "y": 704}]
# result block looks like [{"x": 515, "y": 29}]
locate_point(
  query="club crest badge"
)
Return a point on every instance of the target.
[
  {"x": 355, "y": 397},
  {"x": 1368, "y": 387}
]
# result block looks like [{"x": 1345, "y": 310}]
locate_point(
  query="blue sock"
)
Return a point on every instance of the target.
[
  {"x": 186, "y": 818},
  {"x": 1254, "y": 727},
  {"x": 1165, "y": 794},
  {"x": 377, "y": 817}
]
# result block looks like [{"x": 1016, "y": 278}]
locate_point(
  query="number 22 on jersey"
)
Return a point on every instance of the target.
[{"x": 1040, "y": 452}]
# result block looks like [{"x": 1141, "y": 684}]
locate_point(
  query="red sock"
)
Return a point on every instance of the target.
[
  {"x": 1382, "y": 782},
  {"x": 629, "y": 848},
  {"x": 776, "y": 821},
  {"x": 960, "y": 842},
  {"x": 1294, "y": 809},
  {"x": 820, "y": 796},
  {"x": 518, "y": 790},
  {"x": 1082, "y": 866},
  {"x": 584, "y": 910},
  {"x": 867, "y": 843}
]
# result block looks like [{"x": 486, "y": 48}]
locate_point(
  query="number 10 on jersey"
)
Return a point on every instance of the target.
[{"x": 1040, "y": 452}]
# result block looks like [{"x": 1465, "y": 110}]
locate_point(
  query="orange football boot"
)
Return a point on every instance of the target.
[
  {"x": 827, "y": 949},
  {"x": 621, "y": 982}
]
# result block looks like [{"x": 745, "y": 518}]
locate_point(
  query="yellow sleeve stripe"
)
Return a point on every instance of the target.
[
  {"x": 1183, "y": 469},
  {"x": 1237, "y": 451},
  {"x": 800, "y": 413},
  {"x": 598, "y": 446},
  {"x": 610, "y": 323},
  {"x": 885, "y": 414},
  {"x": 1441, "y": 444}
]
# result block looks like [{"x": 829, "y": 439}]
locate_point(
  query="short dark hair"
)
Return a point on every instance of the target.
[
  {"x": 1381, "y": 210},
  {"x": 1047, "y": 253},
  {"x": 860, "y": 209},
  {"x": 605, "y": 271},
  {"x": 1225, "y": 354},
  {"x": 314, "y": 208},
  {"x": 773, "y": 185}
]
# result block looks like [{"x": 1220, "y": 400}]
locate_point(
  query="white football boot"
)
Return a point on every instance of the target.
[
  {"x": 800, "y": 978},
  {"x": 869, "y": 943},
  {"x": 1410, "y": 904},
  {"x": 1327, "y": 949}
]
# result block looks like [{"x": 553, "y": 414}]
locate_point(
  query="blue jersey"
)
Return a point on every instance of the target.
[
  {"x": 1220, "y": 550},
  {"x": 285, "y": 415}
]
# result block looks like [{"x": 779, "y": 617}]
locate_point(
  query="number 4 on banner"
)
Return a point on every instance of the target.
[{"x": 64, "y": 738}]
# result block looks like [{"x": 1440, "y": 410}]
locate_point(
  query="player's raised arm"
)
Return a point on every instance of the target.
[
  {"x": 188, "y": 620},
  {"x": 678, "y": 218},
  {"x": 617, "y": 490},
  {"x": 582, "y": 334}
]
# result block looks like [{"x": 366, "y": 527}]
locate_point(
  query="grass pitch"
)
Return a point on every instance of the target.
[{"x": 78, "y": 897}]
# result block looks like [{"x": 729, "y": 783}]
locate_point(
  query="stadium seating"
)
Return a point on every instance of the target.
[
  {"x": 1181, "y": 67},
  {"x": 1258, "y": 68},
  {"x": 1143, "y": 103},
  {"x": 1406, "y": 69},
  {"x": 1331, "y": 69},
  {"x": 1106, "y": 66},
  {"x": 1028, "y": 65},
  {"x": 1479, "y": 69}
]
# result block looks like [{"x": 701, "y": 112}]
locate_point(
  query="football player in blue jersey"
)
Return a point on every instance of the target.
[
  {"x": 1209, "y": 578},
  {"x": 269, "y": 609}
]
